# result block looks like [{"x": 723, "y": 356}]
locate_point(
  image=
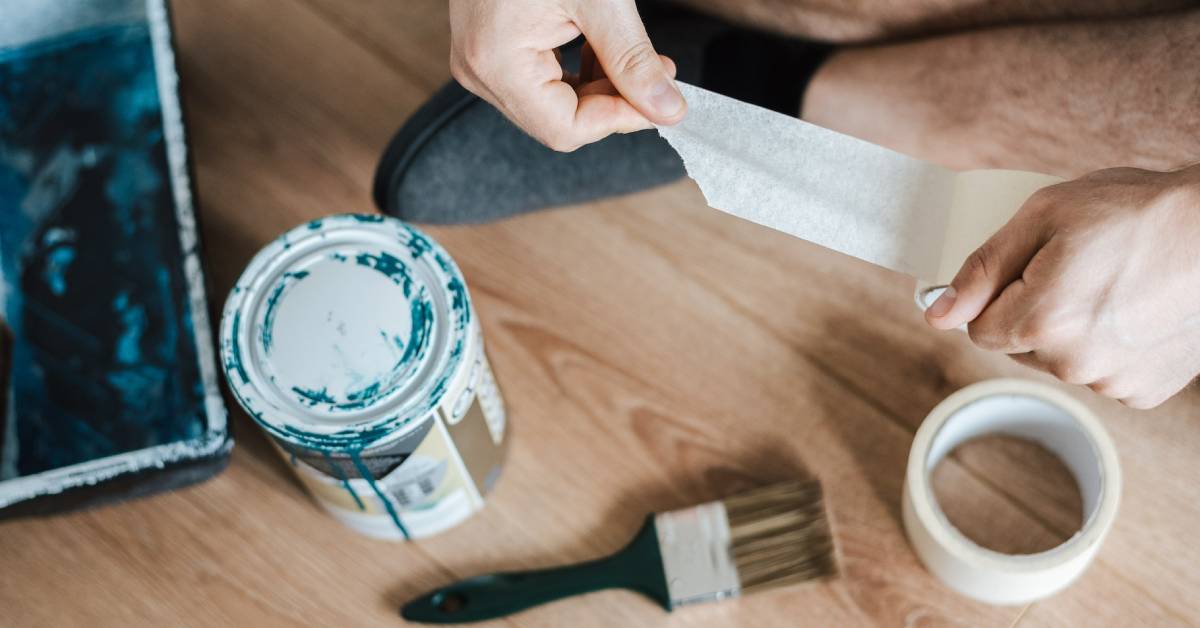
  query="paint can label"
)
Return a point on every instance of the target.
[
  {"x": 353, "y": 342},
  {"x": 432, "y": 480}
]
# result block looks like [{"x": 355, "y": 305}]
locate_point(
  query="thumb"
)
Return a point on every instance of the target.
[
  {"x": 986, "y": 273},
  {"x": 623, "y": 49}
]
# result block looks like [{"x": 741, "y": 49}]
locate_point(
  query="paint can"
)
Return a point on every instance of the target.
[{"x": 353, "y": 342}]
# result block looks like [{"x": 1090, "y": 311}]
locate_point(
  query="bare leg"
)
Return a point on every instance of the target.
[
  {"x": 1062, "y": 98},
  {"x": 862, "y": 21}
]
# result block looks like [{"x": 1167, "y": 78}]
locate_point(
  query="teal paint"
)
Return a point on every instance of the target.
[
  {"x": 418, "y": 244},
  {"x": 390, "y": 266},
  {"x": 133, "y": 323},
  {"x": 341, "y": 475},
  {"x": 422, "y": 324},
  {"x": 273, "y": 303},
  {"x": 458, "y": 301},
  {"x": 269, "y": 318},
  {"x": 352, "y": 436},
  {"x": 235, "y": 351},
  {"x": 363, "y": 395},
  {"x": 445, "y": 265},
  {"x": 57, "y": 262},
  {"x": 395, "y": 340},
  {"x": 387, "y": 503},
  {"x": 313, "y": 397}
]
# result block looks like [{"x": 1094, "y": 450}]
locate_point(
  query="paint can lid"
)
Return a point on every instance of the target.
[{"x": 345, "y": 331}]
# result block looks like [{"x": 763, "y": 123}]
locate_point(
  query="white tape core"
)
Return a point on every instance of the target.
[
  {"x": 926, "y": 294},
  {"x": 1022, "y": 409}
]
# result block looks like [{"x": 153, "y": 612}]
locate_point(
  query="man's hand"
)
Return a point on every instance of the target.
[
  {"x": 505, "y": 51},
  {"x": 1096, "y": 281}
]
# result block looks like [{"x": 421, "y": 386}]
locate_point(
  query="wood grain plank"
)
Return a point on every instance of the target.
[
  {"x": 1041, "y": 473},
  {"x": 923, "y": 367},
  {"x": 714, "y": 367},
  {"x": 1157, "y": 442},
  {"x": 654, "y": 354},
  {"x": 270, "y": 140},
  {"x": 411, "y": 37}
]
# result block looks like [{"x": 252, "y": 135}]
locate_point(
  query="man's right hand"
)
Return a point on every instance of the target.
[{"x": 505, "y": 51}]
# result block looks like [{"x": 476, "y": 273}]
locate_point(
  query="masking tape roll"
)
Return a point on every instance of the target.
[{"x": 1035, "y": 412}]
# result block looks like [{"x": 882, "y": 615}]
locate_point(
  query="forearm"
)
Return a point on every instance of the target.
[{"x": 1058, "y": 98}]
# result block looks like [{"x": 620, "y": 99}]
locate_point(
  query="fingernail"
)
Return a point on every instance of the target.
[
  {"x": 665, "y": 98},
  {"x": 942, "y": 306}
]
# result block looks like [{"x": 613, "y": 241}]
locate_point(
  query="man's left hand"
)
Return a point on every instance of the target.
[{"x": 1096, "y": 281}]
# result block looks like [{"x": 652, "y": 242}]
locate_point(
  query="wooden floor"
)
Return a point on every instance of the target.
[{"x": 654, "y": 353}]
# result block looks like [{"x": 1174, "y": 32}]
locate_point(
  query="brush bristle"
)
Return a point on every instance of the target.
[{"x": 780, "y": 535}]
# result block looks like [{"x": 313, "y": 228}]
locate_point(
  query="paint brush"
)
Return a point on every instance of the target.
[{"x": 772, "y": 536}]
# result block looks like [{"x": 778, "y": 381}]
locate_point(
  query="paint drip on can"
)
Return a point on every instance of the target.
[{"x": 353, "y": 342}]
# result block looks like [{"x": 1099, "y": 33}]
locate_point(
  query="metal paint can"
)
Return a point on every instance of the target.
[{"x": 353, "y": 342}]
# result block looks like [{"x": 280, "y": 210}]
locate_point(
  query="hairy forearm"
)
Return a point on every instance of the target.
[
  {"x": 1062, "y": 98},
  {"x": 865, "y": 21}
]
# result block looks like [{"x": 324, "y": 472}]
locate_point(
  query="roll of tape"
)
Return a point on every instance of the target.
[{"x": 1028, "y": 410}]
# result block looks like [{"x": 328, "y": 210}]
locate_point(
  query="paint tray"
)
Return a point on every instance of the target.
[{"x": 111, "y": 386}]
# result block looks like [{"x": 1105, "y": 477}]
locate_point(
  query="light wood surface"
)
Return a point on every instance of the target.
[{"x": 654, "y": 353}]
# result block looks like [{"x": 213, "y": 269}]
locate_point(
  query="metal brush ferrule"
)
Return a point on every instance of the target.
[{"x": 695, "y": 546}]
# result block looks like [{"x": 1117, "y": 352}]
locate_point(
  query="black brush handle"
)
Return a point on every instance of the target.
[{"x": 638, "y": 566}]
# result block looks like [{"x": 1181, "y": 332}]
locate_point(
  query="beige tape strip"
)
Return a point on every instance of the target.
[{"x": 842, "y": 192}]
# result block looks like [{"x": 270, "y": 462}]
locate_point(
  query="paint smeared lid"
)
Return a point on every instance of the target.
[{"x": 345, "y": 330}]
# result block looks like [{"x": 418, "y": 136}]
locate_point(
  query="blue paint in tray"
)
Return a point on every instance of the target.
[{"x": 105, "y": 359}]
